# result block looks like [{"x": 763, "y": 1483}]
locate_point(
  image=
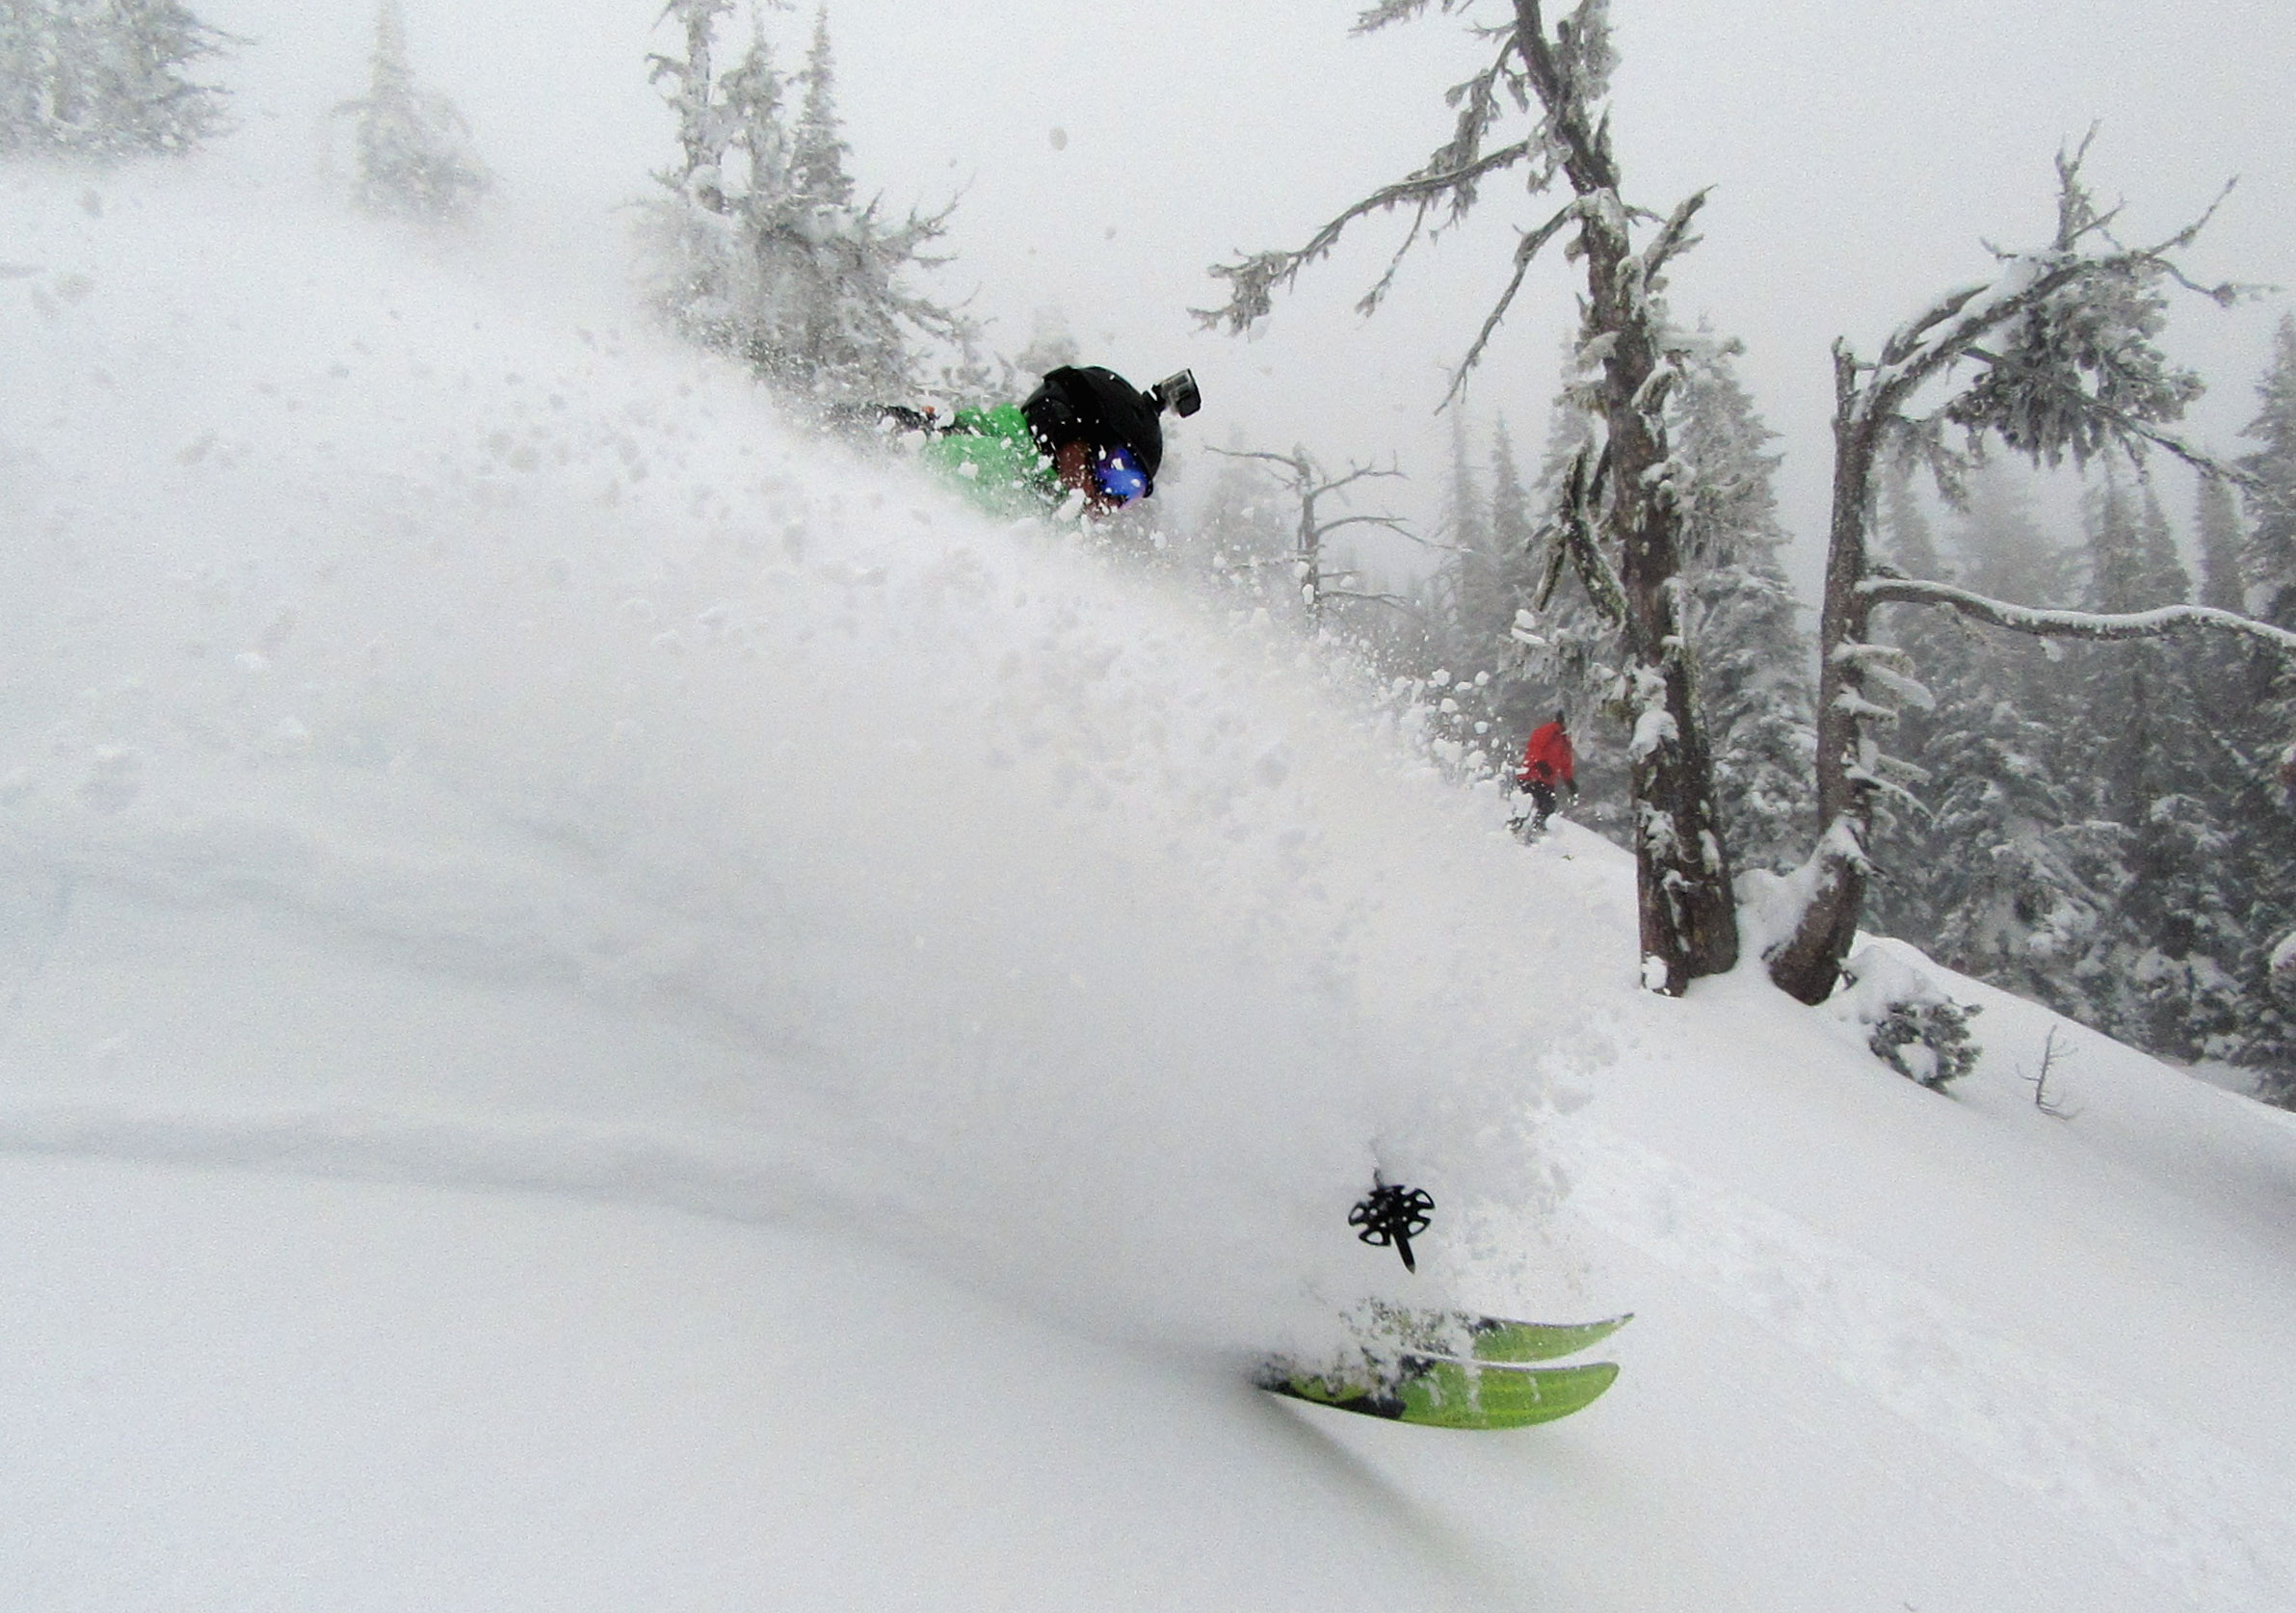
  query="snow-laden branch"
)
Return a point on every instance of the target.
[
  {"x": 1945, "y": 330},
  {"x": 1571, "y": 541},
  {"x": 1886, "y": 665},
  {"x": 1950, "y": 328},
  {"x": 1394, "y": 602},
  {"x": 2074, "y": 625},
  {"x": 1392, "y": 523},
  {"x": 2126, "y": 424},
  {"x": 1255, "y": 279},
  {"x": 1674, "y": 238},
  {"x": 1526, "y": 252},
  {"x": 1301, "y": 475}
]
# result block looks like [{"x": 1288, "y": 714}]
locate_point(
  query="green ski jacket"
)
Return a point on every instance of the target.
[{"x": 990, "y": 456}]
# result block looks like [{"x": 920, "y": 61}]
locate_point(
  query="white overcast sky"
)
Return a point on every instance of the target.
[{"x": 1860, "y": 151}]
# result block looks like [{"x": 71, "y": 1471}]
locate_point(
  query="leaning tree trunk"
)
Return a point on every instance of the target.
[{"x": 1808, "y": 965}]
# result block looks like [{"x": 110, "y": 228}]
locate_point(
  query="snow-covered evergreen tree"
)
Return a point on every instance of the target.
[
  {"x": 1539, "y": 656},
  {"x": 1571, "y": 659},
  {"x": 706, "y": 280},
  {"x": 1497, "y": 578},
  {"x": 413, "y": 146},
  {"x": 1739, "y": 613},
  {"x": 2013, "y": 875},
  {"x": 1510, "y": 537},
  {"x": 2055, "y": 359},
  {"x": 759, "y": 251},
  {"x": 24, "y": 46},
  {"x": 2216, "y": 517},
  {"x": 1452, "y": 651},
  {"x": 104, "y": 78},
  {"x": 1514, "y": 527},
  {"x": 2266, "y": 723},
  {"x": 2247, "y": 828},
  {"x": 2133, "y": 566},
  {"x": 2160, "y": 970},
  {"x": 1625, "y": 518},
  {"x": 2100, "y": 836},
  {"x": 2025, "y": 880},
  {"x": 2271, "y": 556},
  {"x": 1931, "y": 648},
  {"x": 818, "y": 151},
  {"x": 1471, "y": 597},
  {"x": 1467, "y": 515},
  {"x": 1754, "y": 662}
]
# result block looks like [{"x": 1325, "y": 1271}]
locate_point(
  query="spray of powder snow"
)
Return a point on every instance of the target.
[{"x": 1048, "y": 926}]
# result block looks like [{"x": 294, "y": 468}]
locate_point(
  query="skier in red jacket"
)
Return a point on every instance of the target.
[{"x": 1547, "y": 764}]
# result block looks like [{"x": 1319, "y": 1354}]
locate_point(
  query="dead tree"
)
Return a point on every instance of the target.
[
  {"x": 1307, "y": 483},
  {"x": 2051, "y": 1056},
  {"x": 2056, "y": 359},
  {"x": 1559, "y": 76}
]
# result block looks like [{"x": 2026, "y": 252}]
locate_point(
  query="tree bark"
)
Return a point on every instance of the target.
[
  {"x": 1688, "y": 914},
  {"x": 1807, "y": 965}
]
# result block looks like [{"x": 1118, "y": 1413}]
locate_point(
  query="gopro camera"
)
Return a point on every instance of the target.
[{"x": 1178, "y": 394}]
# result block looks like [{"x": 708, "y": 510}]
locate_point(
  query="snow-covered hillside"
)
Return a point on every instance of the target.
[{"x": 604, "y": 1006}]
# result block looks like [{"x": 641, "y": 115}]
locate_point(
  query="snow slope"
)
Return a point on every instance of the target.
[{"x": 602, "y": 1005}]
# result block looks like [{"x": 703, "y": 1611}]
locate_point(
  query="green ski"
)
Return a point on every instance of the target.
[
  {"x": 1466, "y": 1337},
  {"x": 1437, "y": 1393},
  {"x": 1455, "y": 1369}
]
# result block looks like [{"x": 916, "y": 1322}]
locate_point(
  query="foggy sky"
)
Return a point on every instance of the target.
[{"x": 1860, "y": 151}]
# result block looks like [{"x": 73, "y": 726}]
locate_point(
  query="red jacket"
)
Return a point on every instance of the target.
[{"x": 1547, "y": 758}]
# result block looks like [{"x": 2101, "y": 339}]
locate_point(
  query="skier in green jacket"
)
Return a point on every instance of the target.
[{"x": 1085, "y": 438}]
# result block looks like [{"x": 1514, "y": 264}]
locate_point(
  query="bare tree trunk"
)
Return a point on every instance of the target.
[
  {"x": 1806, "y": 966},
  {"x": 1306, "y": 482},
  {"x": 1308, "y": 549}
]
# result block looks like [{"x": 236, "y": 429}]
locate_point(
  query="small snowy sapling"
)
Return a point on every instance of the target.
[
  {"x": 1909, "y": 1024},
  {"x": 2051, "y": 1054}
]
